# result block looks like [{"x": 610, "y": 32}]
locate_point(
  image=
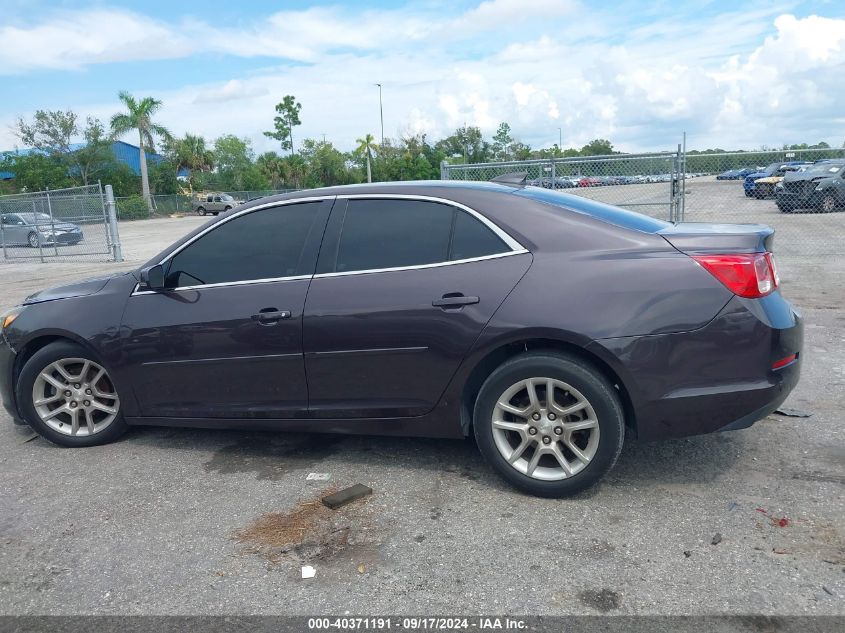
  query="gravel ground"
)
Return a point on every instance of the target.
[{"x": 154, "y": 524}]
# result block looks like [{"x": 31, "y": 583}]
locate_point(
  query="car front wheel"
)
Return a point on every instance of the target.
[
  {"x": 67, "y": 397},
  {"x": 549, "y": 423},
  {"x": 828, "y": 204},
  {"x": 200, "y": 211},
  {"x": 33, "y": 239}
]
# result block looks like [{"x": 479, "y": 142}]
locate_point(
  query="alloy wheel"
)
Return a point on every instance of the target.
[
  {"x": 33, "y": 240},
  {"x": 545, "y": 429},
  {"x": 828, "y": 204},
  {"x": 74, "y": 396}
]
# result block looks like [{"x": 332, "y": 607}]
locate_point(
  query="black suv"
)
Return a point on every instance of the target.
[{"x": 820, "y": 187}]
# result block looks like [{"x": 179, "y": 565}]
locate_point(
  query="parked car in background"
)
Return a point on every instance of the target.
[
  {"x": 213, "y": 203},
  {"x": 765, "y": 187},
  {"x": 772, "y": 170},
  {"x": 589, "y": 181},
  {"x": 820, "y": 186},
  {"x": 38, "y": 229},
  {"x": 546, "y": 324},
  {"x": 735, "y": 174}
]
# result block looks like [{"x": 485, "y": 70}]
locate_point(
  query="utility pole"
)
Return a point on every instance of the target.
[
  {"x": 381, "y": 113},
  {"x": 560, "y": 139}
]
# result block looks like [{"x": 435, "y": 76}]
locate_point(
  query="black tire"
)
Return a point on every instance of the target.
[
  {"x": 602, "y": 396},
  {"x": 227, "y": 208},
  {"x": 201, "y": 210},
  {"x": 32, "y": 240},
  {"x": 785, "y": 208},
  {"x": 748, "y": 193},
  {"x": 23, "y": 392}
]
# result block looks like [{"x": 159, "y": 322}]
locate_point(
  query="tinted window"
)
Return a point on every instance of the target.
[
  {"x": 393, "y": 233},
  {"x": 473, "y": 239},
  {"x": 264, "y": 244}
]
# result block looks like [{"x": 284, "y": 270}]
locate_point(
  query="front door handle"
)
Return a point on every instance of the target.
[
  {"x": 269, "y": 316},
  {"x": 454, "y": 300}
]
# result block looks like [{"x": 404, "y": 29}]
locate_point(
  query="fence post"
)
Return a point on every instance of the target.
[
  {"x": 111, "y": 210},
  {"x": 444, "y": 170},
  {"x": 553, "y": 180}
]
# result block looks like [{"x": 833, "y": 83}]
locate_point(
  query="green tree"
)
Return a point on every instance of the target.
[
  {"x": 190, "y": 152},
  {"x": 597, "y": 147},
  {"x": 52, "y": 132},
  {"x": 466, "y": 144},
  {"x": 36, "y": 171},
  {"x": 272, "y": 167},
  {"x": 326, "y": 165},
  {"x": 236, "y": 170},
  {"x": 287, "y": 116},
  {"x": 138, "y": 117},
  {"x": 366, "y": 148},
  {"x": 501, "y": 143}
]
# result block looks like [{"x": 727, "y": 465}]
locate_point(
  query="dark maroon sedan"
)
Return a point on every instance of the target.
[{"x": 546, "y": 324}]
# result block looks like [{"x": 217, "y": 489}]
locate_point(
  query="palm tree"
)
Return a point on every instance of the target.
[
  {"x": 139, "y": 118},
  {"x": 366, "y": 147},
  {"x": 191, "y": 153}
]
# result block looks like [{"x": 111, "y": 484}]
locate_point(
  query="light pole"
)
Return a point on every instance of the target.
[
  {"x": 381, "y": 113},
  {"x": 560, "y": 139}
]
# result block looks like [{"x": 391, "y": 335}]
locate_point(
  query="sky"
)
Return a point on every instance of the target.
[{"x": 734, "y": 75}]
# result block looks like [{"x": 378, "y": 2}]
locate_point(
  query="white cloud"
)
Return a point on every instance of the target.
[{"x": 740, "y": 79}]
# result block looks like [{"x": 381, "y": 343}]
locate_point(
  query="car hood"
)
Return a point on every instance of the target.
[
  {"x": 756, "y": 174},
  {"x": 76, "y": 289},
  {"x": 807, "y": 177}
]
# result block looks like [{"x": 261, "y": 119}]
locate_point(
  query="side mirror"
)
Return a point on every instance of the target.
[{"x": 152, "y": 278}]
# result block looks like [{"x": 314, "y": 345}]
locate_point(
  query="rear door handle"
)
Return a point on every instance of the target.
[
  {"x": 454, "y": 300},
  {"x": 268, "y": 316}
]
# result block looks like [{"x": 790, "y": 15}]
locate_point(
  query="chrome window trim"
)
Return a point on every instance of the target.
[
  {"x": 510, "y": 242},
  {"x": 222, "y": 284},
  {"x": 469, "y": 260}
]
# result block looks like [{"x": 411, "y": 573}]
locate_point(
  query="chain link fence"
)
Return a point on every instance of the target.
[
  {"x": 59, "y": 225},
  {"x": 735, "y": 187}
]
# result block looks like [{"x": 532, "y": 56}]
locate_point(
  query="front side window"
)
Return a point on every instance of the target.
[
  {"x": 379, "y": 234},
  {"x": 265, "y": 244}
]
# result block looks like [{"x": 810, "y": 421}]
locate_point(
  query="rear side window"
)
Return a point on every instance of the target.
[
  {"x": 472, "y": 238},
  {"x": 380, "y": 234},
  {"x": 264, "y": 244}
]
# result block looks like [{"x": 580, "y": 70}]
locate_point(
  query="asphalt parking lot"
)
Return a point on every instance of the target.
[{"x": 170, "y": 521}]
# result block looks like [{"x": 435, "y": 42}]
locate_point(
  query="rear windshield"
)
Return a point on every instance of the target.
[{"x": 599, "y": 210}]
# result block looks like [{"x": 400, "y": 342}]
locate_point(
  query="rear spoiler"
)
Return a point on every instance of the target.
[{"x": 695, "y": 237}]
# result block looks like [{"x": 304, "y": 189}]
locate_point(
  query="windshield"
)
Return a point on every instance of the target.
[
  {"x": 227, "y": 197},
  {"x": 35, "y": 218},
  {"x": 824, "y": 168},
  {"x": 606, "y": 212}
]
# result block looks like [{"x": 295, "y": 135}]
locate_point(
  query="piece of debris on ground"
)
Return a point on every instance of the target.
[
  {"x": 717, "y": 538},
  {"x": 792, "y": 413},
  {"x": 308, "y": 571},
  {"x": 347, "y": 495},
  {"x": 775, "y": 521},
  {"x": 318, "y": 477}
]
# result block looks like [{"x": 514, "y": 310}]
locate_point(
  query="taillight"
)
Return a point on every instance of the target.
[{"x": 753, "y": 275}]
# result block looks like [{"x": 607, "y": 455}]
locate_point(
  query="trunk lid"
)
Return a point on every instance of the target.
[{"x": 700, "y": 237}]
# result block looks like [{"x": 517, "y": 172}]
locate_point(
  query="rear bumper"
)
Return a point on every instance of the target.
[{"x": 717, "y": 378}]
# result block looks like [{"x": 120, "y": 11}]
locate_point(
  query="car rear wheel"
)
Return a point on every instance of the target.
[
  {"x": 828, "y": 204},
  {"x": 549, "y": 423},
  {"x": 67, "y": 397}
]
